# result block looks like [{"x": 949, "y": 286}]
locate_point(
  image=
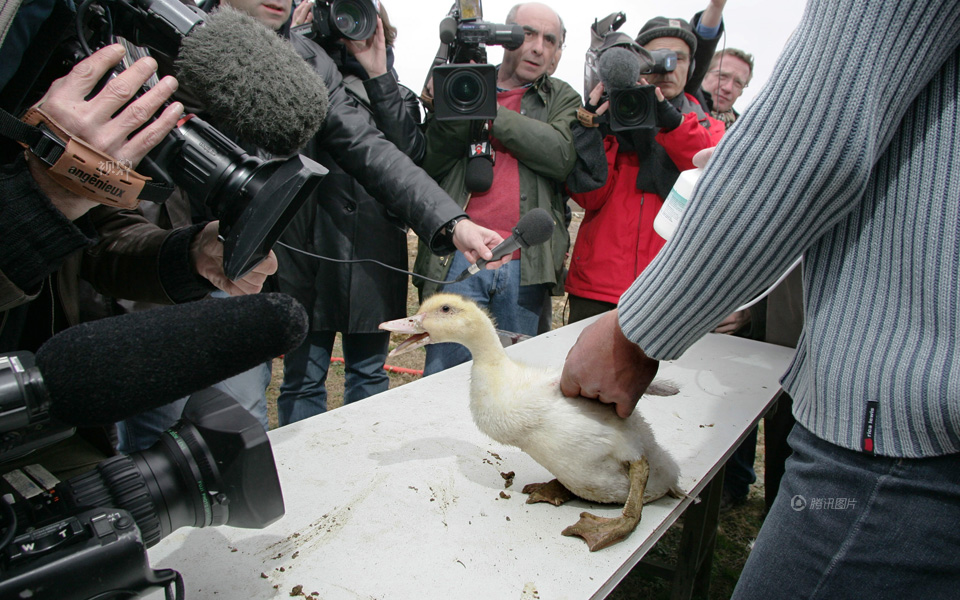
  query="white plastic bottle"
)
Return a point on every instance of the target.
[{"x": 672, "y": 210}]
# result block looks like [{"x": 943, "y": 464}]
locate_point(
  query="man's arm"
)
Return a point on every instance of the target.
[
  {"x": 773, "y": 187},
  {"x": 397, "y": 116},
  {"x": 390, "y": 176},
  {"x": 94, "y": 122},
  {"x": 446, "y": 145},
  {"x": 711, "y": 18},
  {"x": 546, "y": 147},
  {"x": 37, "y": 213}
]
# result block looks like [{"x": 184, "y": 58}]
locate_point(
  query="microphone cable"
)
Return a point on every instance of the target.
[{"x": 345, "y": 261}]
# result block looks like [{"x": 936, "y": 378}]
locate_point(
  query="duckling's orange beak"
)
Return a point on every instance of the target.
[{"x": 412, "y": 325}]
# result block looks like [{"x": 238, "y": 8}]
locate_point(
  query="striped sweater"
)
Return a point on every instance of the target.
[{"x": 850, "y": 156}]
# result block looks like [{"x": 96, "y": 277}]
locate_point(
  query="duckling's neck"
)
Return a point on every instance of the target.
[
  {"x": 484, "y": 344},
  {"x": 496, "y": 409}
]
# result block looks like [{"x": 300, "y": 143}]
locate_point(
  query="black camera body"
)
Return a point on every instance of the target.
[
  {"x": 339, "y": 19},
  {"x": 253, "y": 198},
  {"x": 464, "y": 91},
  {"x": 350, "y": 19},
  {"x": 81, "y": 556},
  {"x": 86, "y": 537},
  {"x": 632, "y": 108},
  {"x": 632, "y": 105}
]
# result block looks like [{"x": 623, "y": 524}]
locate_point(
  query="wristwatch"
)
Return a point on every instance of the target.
[{"x": 449, "y": 227}]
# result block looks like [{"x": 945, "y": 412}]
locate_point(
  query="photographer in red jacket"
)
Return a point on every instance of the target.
[{"x": 622, "y": 178}]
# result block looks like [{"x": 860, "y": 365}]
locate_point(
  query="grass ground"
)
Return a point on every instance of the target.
[{"x": 737, "y": 527}]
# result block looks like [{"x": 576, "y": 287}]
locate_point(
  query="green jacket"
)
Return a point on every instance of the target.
[{"x": 539, "y": 137}]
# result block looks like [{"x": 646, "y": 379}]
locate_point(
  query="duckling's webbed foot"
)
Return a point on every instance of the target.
[
  {"x": 600, "y": 532},
  {"x": 552, "y": 491}
]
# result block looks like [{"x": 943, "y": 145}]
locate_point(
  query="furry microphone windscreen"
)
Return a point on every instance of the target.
[
  {"x": 252, "y": 82},
  {"x": 619, "y": 69},
  {"x": 479, "y": 175},
  {"x": 534, "y": 228},
  {"x": 104, "y": 371}
]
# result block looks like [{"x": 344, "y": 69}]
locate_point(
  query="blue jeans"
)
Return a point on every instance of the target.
[
  {"x": 303, "y": 392},
  {"x": 739, "y": 474},
  {"x": 143, "y": 430},
  {"x": 514, "y": 307},
  {"x": 849, "y": 525}
]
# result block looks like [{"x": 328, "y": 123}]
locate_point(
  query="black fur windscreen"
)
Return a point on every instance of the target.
[
  {"x": 534, "y": 228},
  {"x": 252, "y": 82},
  {"x": 104, "y": 371}
]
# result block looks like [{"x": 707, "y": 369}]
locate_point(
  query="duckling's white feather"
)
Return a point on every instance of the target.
[{"x": 582, "y": 442}]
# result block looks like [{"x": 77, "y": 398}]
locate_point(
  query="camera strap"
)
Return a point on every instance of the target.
[
  {"x": 77, "y": 166},
  {"x": 589, "y": 119}
]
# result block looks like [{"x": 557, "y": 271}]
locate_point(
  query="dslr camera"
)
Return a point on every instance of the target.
[
  {"x": 87, "y": 537},
  {"x": 340, "y": 19},
  {"x": 463, "y": 90},
  {"x": 253, "y": 198}
]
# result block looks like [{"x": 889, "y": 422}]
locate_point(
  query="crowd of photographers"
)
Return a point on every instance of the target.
[
  {"x": 540, "y": 145},
  {"x": 531, "y": 138},
  {"x": 67, "y": 258}
]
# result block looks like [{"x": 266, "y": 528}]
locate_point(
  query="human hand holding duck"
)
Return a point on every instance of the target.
[{"x": 603, "y": 364}]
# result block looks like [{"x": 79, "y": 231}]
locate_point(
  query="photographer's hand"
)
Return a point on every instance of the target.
[
  {"x": 371, "y": 53},
  {"x": 595, "y": 94},
  {"x": 206, "y": 252},
  {"x": 94, "y": 122},
  {"x": 303, "y": 13},
  {"x": 476, "y": 242},
  {"x": 668, "y": 116}
]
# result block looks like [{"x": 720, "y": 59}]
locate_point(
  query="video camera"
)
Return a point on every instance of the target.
[
  {"x": 253, "y": 198},
  {"x": 632, "y": 106},
  {"x": 463, "y": 90},
  {"x": 339, "y": 19},
  {"x": 635, "y": 107},
  {"x": 87, "y": 537}
]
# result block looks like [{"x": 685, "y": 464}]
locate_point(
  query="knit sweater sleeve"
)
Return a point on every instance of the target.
[{"x": 797, "y": 163}]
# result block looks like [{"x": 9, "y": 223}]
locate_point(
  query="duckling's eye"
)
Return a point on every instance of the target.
[{"x": 445, "y": 308}]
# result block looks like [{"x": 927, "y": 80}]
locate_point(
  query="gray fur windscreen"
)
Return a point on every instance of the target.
[
  {"x": 252, "y": 82},
  {"x": 619, "y": 69}
]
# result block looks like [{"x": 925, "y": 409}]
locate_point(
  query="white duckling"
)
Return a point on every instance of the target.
[{"x": 593, "y": 453}]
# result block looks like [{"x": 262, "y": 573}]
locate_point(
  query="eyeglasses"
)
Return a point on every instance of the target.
[{"x": 726, "y": 78}]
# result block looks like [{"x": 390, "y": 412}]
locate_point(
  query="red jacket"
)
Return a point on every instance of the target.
[{"x": 616, "y": 240}]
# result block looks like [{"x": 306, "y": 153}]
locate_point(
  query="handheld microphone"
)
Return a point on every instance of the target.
[
  {"x": 252, "y": 82},
  {"x": 104, "y": 371},
  {"x": 532, "y": 229}
]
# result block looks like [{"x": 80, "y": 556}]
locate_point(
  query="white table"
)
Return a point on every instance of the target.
[{"x": 399, "y": 496}]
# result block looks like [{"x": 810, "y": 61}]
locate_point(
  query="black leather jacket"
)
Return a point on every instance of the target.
[
  {"x": 344, "y": 222},
  {"x": 360, "y": 149}
]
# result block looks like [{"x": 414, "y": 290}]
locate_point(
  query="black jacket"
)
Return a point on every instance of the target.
[{"x": 344, "y": 222}]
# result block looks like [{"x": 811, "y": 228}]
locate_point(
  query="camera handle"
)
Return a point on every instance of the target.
[{"x": 110, "y": 182}]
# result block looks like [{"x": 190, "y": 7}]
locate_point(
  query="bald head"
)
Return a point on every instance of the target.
[{"x": 540, "y": 52}]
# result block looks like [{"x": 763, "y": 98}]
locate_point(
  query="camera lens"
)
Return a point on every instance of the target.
[
  {"x": 632, "y": 108},
  {"x": 168, "y": 486},
  {"x": 354, "y": 19},
  {"x": 629, "y": 107},
  {"x": 215, "y": 467},
  {"x": 465, "y": 91}
]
